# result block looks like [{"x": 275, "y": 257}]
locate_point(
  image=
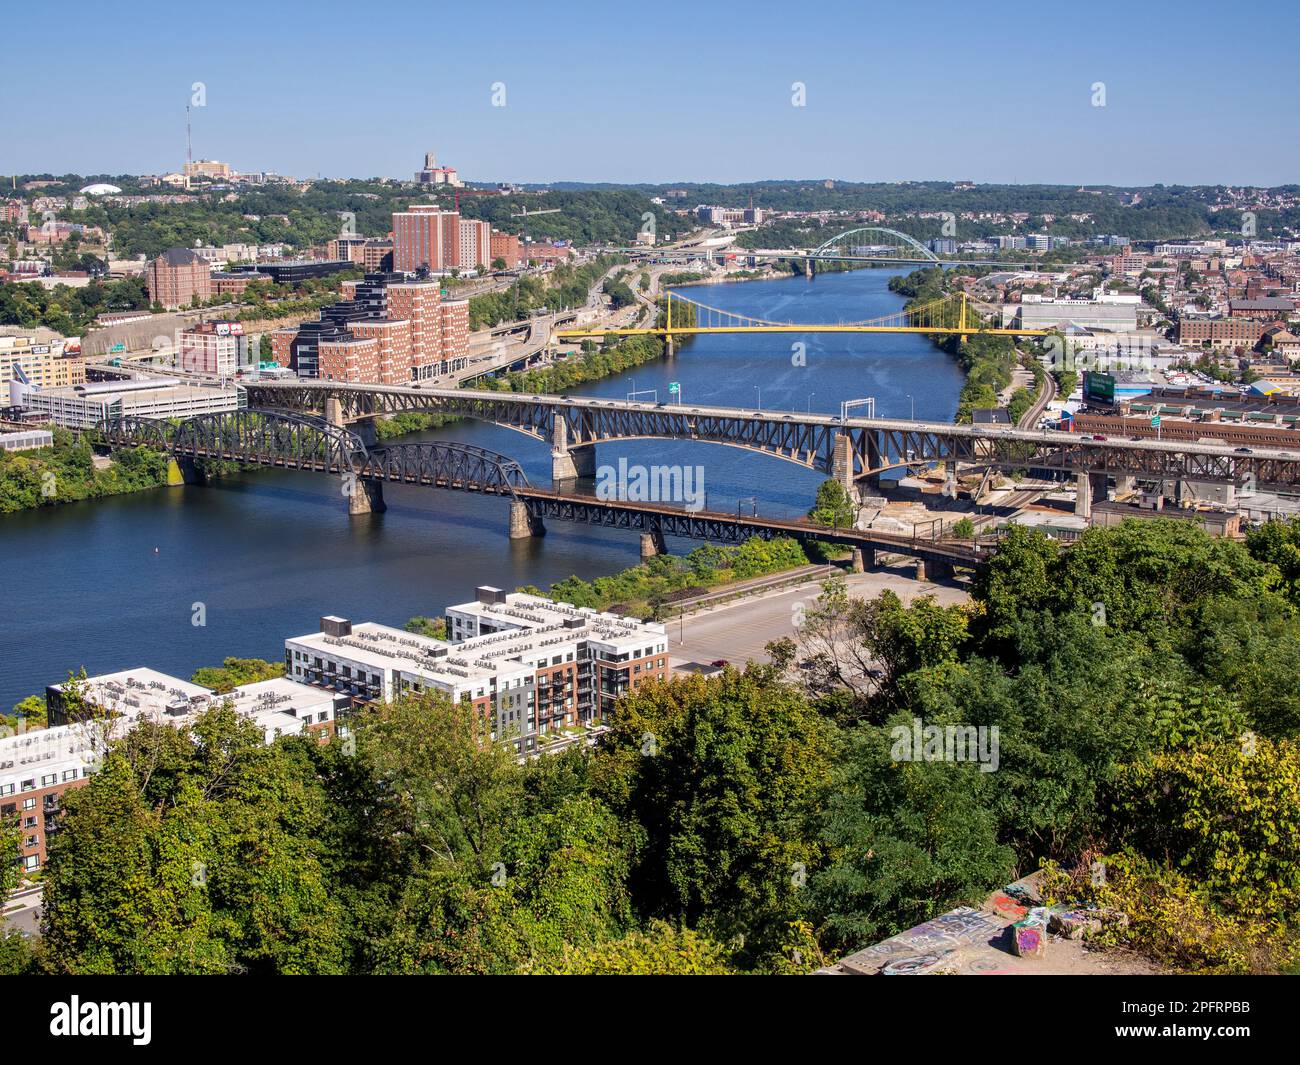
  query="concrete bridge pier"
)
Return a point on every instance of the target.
[
  {"x": 334, "y": 411},
  {"x": 1090, "y": 488},
  {"x": 182, "y": 469},
  {"x": 653, "y": 543},
  {"x": 366, "y": 496},
  {"x": 522, "y": 524},
  {"x": 570, "y": 463},
  {"x": 933, "y": 569},
  {"x": 842, "y": 468},
  {"x": 864, "y": 559}
]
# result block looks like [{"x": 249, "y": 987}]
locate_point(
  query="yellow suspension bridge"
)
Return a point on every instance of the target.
[{"x": 946, "y": 316}]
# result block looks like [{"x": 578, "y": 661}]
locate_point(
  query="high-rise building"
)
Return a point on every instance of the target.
[
  {"x": 475, "y": 244},
  {"x": 426, "y": 237}
]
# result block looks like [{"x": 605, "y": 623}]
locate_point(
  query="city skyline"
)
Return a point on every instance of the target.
[{"x": 722, "y": 97}]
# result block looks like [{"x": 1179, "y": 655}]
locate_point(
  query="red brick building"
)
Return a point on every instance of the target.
[{"x": 176, "y": 277}]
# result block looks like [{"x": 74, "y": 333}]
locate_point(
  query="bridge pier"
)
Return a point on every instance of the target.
[
  {"x": 365, "y": 496},
  {"x": 842, "y": 466},
  {"x": 933, "y": 569},
  {"x": 1090, "y": 488},
  {"x": 652, "y": 543},
  {"x": 334, "y": 411},
  {"x": 864, "y": 559},
  {"x": 570, "y": 463},
  {"x": 182, "y": 469},
  {"x": 522, "y": 524}
]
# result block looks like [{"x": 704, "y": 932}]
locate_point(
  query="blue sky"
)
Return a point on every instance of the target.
[{"x": 663, "y": 92}]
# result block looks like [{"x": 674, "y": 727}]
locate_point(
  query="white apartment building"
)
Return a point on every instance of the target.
[{"x": 530, "y": 666}]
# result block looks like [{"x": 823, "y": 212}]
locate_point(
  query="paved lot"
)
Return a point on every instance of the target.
[{"x": 739, "y": 631}]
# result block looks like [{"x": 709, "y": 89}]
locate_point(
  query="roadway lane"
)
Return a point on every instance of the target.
[{"x": 738, "y": 631}]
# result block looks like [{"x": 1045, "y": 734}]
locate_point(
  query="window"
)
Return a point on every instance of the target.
[
  {"x": 48, "y": 779},
  {"x": 29, "y": 804},
  {"x": 29, "y": 785},
  {"x": 31, "y": 862}
]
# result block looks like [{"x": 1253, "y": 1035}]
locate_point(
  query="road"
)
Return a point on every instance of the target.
[{"x": 738, "y": 631}]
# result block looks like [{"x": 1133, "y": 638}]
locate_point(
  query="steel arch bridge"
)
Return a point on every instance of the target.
[
  {"x": 267, "y": 437},
  {"x": 288, "y": 440},
  {"x": 855, "y": 245},
  {"x": 444, "y": 464}
]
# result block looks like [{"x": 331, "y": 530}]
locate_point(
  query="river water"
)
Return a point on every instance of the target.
[{"x": 119, "y": 582}]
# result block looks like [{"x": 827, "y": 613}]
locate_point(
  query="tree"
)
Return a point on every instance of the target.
[
  {"x": 661, "y": 951},
  {"x": 720, "y": 779}
]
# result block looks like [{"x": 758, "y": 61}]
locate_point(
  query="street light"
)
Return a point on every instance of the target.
[
  {"x": 760, "y": 396},
  {"x": 810, "y": 396},
  {"x": 913, "y": 402}
]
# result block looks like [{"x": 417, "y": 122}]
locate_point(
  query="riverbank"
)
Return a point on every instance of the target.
[{"x": 69, "y": 472}]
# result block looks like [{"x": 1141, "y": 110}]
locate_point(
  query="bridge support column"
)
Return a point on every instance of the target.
[
  {"x": 522, "y": 523},
  {"x": 334, "y": 411},
  {"x": 366, "y": 496},
  {"x": 864, "y": 559},
  {"x": 570, "y": 463},
  {"x": 183, "y": 470},
  {"x": 933, "y": 569},
  {"x": 670, "y": 345},
  {"x": 652, "y": 543},
  {"x": 1090, "y": 488},
  {"x": 1125, "y": 484},
  {"x": 842, "y": 466}
]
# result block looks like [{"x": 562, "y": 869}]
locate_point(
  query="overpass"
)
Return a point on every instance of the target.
[{"x": 855, "y": 451}]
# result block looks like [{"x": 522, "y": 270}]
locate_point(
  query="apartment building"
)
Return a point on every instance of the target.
[
  {"x": 532, "y": 668},
  {"x": 177, "y": 277},
  {"x": 475, "y": 244},
  {"x": 390, "y": 329},
  {"x": 217, "y": 348},
  {"x": 425, "y": 236},
  {"x": 36, "y": 768},
  {"x": 506, "y": 247},
  {"x": 1221, "y": 332}
]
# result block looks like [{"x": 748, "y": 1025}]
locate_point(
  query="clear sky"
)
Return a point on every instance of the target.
[{"x": 669, "y": 91}]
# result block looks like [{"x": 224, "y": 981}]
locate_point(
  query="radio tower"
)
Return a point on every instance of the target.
[{"x": 189, "y": 151}]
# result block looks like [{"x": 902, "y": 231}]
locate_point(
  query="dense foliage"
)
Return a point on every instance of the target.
[
  {"x": 1141, "y": 684},
  {"x": 67, "y": 472}
]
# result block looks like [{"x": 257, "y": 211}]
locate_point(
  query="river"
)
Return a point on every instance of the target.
[{"x": 119, "y": 582}]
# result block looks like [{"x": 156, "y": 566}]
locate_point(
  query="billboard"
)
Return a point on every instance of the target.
[{"x": 1099, "y": 387}]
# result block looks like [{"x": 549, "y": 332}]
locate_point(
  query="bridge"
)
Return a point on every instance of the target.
[
  {"x": 865, "y": 245},
  {"x": 853, "y": 450},
  {"x": 947, "y": 316},
  {"x": 285, "y": 440}
]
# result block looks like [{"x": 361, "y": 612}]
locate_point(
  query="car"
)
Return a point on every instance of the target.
[
  {"x": 1098, "y": 436},
  {"x": 1244, "y": 451}
]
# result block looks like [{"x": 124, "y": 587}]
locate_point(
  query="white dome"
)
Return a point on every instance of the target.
[{"x": 101, "y": 189}]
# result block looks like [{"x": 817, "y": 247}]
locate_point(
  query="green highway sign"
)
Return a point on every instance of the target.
[
  {"x": 674, "y": 387},
  {"x": 1155, "y": 422}
]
